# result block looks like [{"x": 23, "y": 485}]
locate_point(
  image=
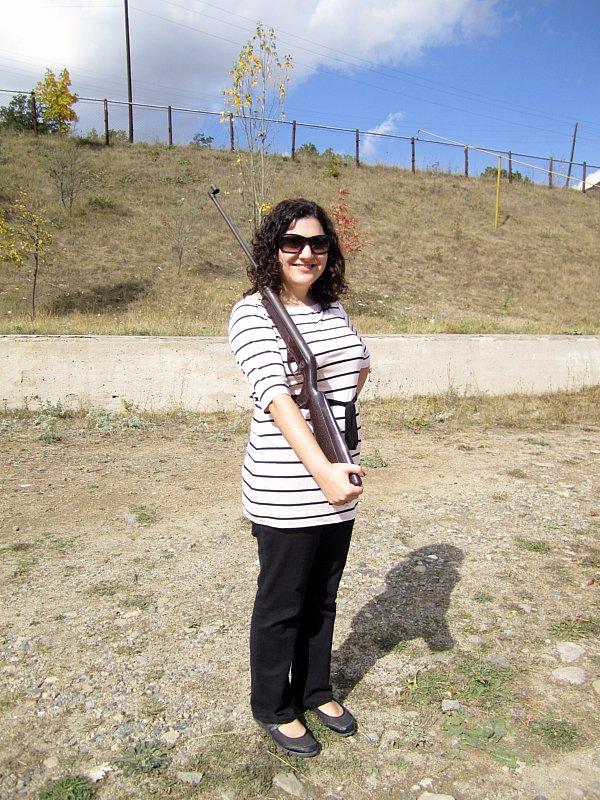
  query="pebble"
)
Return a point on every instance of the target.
[
  {"x": 596, "y": 686},
  {"x": 569, "y": 652},
  {"x": 573, "y": 675},
  {"x": 190, "y": 777},
  {"x": 498, "y": 660},
  {"x": 431, "y": 796},
  {"x": 51, "y": 763},
  {"x": 448, "y": 706},
  {"x": 289, "y": 783},
  {"x": 170, "y": 737}
]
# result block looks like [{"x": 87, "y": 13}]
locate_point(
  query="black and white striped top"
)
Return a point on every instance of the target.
[{"x": 277, "y": 489}]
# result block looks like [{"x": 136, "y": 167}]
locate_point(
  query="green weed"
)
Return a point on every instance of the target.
[
  {"x": 373, "y": 462},
  {"x": 48, "y": 436},
  {"x": 75, "y": 787},
  {"x": 425, "y": 688},
  {"x": 580, "y": 627},
  {"x": 236, "y": 763},
  {"x": 556, "y": 733},
  {"x": 484, "y": 736},
  {"x": 516, "y": 473},
  {"x": 144, "y": 757},
  {"x": 136, "y": 603},
  {"x": 483, "y": 681},
  {"x": 143, "y": 515},
  {"x": 104, "y": 589},
  {"x": 532, "y": 545}
]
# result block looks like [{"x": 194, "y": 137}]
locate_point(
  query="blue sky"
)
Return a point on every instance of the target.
[{"x": 494, "y": 74}]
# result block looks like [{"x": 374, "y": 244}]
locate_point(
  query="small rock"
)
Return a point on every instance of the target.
[
  {"x": 573, "y": 675},
  {"x": 190, "y": 777},
  {"x": 96, "y": 774},
  {"x": 472, "y": 639},
  {"x": 371, "y": 780},
  {"x": 448, "y": 706},
  {"x": 569, "y": 652},
  {"x": 431, "y": 796},
  {"x": 596, "y": 686},
  {"x": 51, "y": 763},
  {"x": 170, "y": 737},
  {"x": 289, "y": 783},
  {"x": 498, "y": 660}
]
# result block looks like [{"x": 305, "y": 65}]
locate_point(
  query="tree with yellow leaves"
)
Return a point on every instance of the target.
[
  {"x": 256, "y": 98},
  {"x": 25, "y": 239},
  {"x": 57, "y": 99}
]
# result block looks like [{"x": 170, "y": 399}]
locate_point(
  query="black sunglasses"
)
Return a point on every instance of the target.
[{"x": 294, "y": 243}]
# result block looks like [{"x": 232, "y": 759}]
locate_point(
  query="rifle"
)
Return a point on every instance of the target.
[{"x": 325, "y": 427}]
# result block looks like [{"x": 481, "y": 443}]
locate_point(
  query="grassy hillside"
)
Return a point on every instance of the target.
[{"x": 433, "y": 261}]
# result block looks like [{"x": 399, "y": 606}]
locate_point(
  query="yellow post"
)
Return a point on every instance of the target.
[{"x": 498, "y": 192}]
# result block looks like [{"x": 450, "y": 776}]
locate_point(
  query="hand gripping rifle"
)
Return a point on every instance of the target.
[{"x": 325, "y": 428}]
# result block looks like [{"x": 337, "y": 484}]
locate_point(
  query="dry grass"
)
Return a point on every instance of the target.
[
  {"x": 457, "y": 413},
  {"x": 433, "y": 261}
]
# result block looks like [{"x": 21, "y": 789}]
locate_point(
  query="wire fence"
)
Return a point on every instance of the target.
[{"x": 424, "y": 152}]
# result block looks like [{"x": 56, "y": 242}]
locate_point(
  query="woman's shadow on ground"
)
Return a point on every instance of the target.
[{"x": 412, "y": 606}]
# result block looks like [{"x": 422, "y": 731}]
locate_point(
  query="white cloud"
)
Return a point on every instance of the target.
[
  {"x": 389, "y": 125},
  {"x": 182, "y": 50},
  {"x": 399, "y": 31}
]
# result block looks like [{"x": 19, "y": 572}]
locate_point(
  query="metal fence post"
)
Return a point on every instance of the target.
[
  {"x": 550, "y": 171},
  {"x": 466, "y": 162},
  {"x": 106, "y": 128},
  {"x": 510, "y": 175},
  {"x": 293, "y": 140},
  {"x": 34, "y": 121},
  {"x": 170, "y": 125},
  {"x": 231, "y": 139},
  {"x": 357, "y": 148},
  {"x": 412, "y": 160},
  {"x": 584, "y": 176}
]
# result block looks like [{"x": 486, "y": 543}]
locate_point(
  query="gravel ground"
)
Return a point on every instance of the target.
[{"x": 467, "y": 639}]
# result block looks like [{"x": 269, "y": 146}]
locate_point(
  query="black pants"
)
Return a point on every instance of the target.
[{"x": 293, "y": 617}]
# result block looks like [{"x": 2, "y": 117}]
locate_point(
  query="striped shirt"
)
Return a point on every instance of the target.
[{"x": 277, "y": 489}]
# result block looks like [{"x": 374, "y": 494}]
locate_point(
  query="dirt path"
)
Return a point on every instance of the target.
[{"x": 127, "y": 579}]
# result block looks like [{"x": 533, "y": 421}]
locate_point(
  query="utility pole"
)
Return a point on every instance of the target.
[
  {"x": 572, "y": 154},
  {"x": 128, "y": 55}
]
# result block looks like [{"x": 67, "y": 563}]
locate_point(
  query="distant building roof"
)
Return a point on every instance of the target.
[{"x": 591, "y": 181}]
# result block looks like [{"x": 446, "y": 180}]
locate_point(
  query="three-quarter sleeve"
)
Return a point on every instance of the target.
[{"x": 256, "y": 349}]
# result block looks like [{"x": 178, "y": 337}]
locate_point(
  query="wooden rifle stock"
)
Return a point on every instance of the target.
[{"x": 325, "y": 427}]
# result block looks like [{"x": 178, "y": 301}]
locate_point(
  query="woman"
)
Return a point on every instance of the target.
[{"x": 301, "y": 506}]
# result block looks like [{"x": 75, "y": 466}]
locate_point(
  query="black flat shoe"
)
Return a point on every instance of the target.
[
  {"x": 305, "y": 746},
  {"x": 344, "y": 725}
]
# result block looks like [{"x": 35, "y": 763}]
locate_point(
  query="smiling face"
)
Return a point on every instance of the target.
[{"x": 300, "y": 270}]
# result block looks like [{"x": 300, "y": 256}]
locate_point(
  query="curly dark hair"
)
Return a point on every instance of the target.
[{"x": 330, "y": 286}]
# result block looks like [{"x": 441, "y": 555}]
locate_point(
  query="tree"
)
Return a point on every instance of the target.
[
  {"x": 351, "y": 239},
  {"x": 70, "y": 171},
  {"x": 180, "y": 223},
  {"x": 18, "y": 114},
  {"x": 256, "y": 98},
  {"x": 202, "y": 140},
  {"x": 57, "y": 99},
  {"x": 25, "y": 239}
]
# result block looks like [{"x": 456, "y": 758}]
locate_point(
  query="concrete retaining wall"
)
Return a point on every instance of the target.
[{"x": 199, "y": 374}]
